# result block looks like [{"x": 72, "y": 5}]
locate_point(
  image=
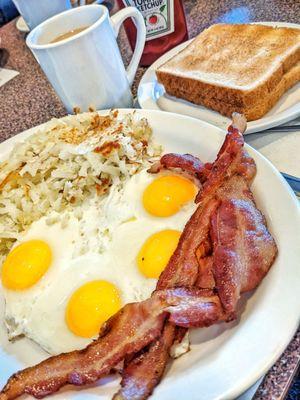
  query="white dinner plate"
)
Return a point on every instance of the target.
[
  {"x": 225, "y": 359},
  {"x": 151, "y": 95}
]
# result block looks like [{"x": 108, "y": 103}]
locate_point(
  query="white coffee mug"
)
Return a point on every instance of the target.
[
  {"x": 36, "y": 11},
  {"x": 86, "y": 70}
]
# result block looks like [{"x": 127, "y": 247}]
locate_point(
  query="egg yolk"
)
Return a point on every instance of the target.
[
  {"x": 156, "y": 252},
  {"x": 26, "y": 264},
  {"x": 90, "y": 306},
  {"x": 167, "y": 194}
]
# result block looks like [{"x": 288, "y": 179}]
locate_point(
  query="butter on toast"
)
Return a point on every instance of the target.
[{"x": 241, "y": 67}]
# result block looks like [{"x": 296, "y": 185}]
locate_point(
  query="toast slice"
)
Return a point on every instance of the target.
[{"x": 243, "y": 68}]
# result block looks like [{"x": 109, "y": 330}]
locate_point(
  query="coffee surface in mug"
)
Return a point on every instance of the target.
[{"x": 69, "y": 34}]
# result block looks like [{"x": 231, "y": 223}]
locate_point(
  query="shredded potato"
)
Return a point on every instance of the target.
[{"x": 67, "y": 161}]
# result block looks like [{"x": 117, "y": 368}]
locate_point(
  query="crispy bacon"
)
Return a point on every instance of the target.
[
  {"x": 224, "y": 250},
  {"x": 231, "y": 159},
  {"x": 243, "y": 249},
  {"x": 135, "y": 326},
  {"x": 239, "y": 123},
  {"x": 150, "y": 363},
  {"x": 129, "y": 331},
  {"x": 141, "y": 374},
  {"x": 206, "y": 278},
  {"x": 182, "y": 269},
  {"x": 234, "y": 160},
  {"x": 187, "y": 266},
  {"x": 184, "y": 162},
  {"x": 194, "y": 312},
  {"x": 223, "y": 167}
]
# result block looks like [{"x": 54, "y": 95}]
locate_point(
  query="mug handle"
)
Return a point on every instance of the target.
[{"x": 117, "y": 21}]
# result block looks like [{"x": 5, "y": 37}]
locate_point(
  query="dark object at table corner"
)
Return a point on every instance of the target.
[
  {"x": 294, "y": 393},
  {"x": 8, "y": 11},
  {"x": 4, "y": 55}
]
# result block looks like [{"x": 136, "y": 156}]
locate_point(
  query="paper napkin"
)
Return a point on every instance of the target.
[{"x": 6, "y": 75}]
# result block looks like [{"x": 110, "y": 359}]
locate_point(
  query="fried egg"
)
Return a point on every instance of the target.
[
  {"x": 65, "y": 277},
  {"x": 166, "y": 195}
]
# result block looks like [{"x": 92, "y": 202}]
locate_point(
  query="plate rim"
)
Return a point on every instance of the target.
[
  {"x": 248, "y": 379},
  {"x": 253, "y": 126}
]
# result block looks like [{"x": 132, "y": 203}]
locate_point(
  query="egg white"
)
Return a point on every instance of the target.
[{"x": 19, "y": 304}]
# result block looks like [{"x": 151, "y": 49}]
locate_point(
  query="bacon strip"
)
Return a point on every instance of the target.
[
  {"x": 244, "y": 250},
  {"x": 135, "y": 326},
  {"x": 206, "y": 278},
  {"x": 194, "y": 312},
  {"x": 141, "y": 373},
  {"x": 187, "y": 163},
  {"x": 151, "y": 363},
  {"x": 194, "y": 244},
  {"x": 182, "y": 269},
  {"x": 129, "y": 331},
  {"x": 145, "y": 371},
  {"x": 239, "y": 123},
  {"x": 227, "y": 237}
]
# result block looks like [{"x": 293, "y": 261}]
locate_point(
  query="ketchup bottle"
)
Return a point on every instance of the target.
[{"x": 165, "y": 24}]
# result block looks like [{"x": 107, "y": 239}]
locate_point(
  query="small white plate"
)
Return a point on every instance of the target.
[
  {"x": 21, "y": 25},
  {"x": 151, "y": 95},
  {"x": 225, "y": 359}
]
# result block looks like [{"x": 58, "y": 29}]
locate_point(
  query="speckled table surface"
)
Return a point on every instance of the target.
[{"x": 29, "y": 100}]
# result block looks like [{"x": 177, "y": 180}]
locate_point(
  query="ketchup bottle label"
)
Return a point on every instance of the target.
[{"x": 158, "y": 16}]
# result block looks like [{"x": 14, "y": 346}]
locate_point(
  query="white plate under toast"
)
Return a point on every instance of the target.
[
  {"x": 151, "y": 95},
  {"x": 225, "y": 359}
]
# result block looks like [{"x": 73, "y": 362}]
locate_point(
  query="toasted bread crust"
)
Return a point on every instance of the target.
[
  {"x": 192, "y": 91},
  {"x": 187, "y": 76}
]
